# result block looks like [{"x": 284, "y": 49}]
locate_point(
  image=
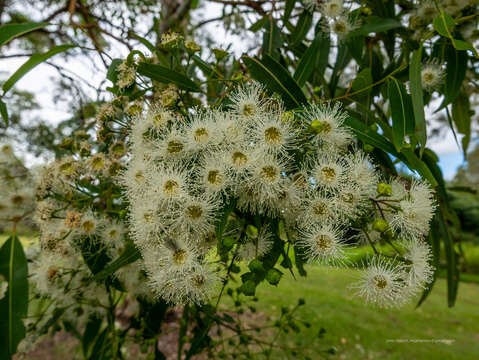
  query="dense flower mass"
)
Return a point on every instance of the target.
[{"x": 300, "y": 169}]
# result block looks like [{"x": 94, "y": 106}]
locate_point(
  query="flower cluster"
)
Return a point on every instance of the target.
[{"x": 301, "y": 169}]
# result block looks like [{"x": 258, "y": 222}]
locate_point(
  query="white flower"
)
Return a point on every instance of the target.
[
  {"x": 329, "y": 171},
  {"x": 326, "y": 123},
  {"x": 427, "y": 10},
  {"x": 342, "y": 25},
  {"x": 158, "y": 117},
  {"x": 273, "y": 134},
  {"x": 250, "y": 101},
  {"x": 382, "y": 283},
  {"x": 196, "y": 214},
  {"x": 112, "y": 234},
  {"x": 199, "y": 285},
  {"x": 203, "y": 132},
  {"x": 89, "y": 224},
  {"x": 421, "y": 272},
  {"x": 332, "y": 8},
  {"x": 318, "y": 209},
  {"x": 416, "y": 211},
  {"x": 173, "y": 146},
  {"x": 134, "y": 178},
  {"x": 323, "y": 244},
  {"x": 213, "y": 175},
  {"x": 432, "y": 75},
  {"x": 168, "y": 184},
  {"x": 362, "y": 173}
]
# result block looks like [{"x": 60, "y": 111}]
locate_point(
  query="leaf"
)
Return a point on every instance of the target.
[
  {"x": 401, "y": 112},
  {"x": 455, "y": 74},
  {"x": 414, "y": 163},
  {"x": 362, "y": 81},
  {"x": 31, "y": 63},
  {"x": 277, "y": 79},
  {"x": 128, "y": 256},
  {"x": 91, "y": 332},
  {"x": 289, "y": 6},
  {"x": 302, "y": 27},
  {"x": 271, "y": 39},
  {"x": 375, "y": 26},
  {"x": 443, "y": 23},
  {"x": 434, "y": 240},
  {"x": 205, "y": 67},
  {"x": 461, "y": 114},
  {"x": 369, "y": 136},
  {"x": 145, "y": 42},
  {"x": 222, "y": 221},
  {"x": 4, "y": 112},
  {"x": 11, "y": 31},
  {"x": 308, "y": 62},
  {"x": 167, "y": 76},
  {"x": 14, "y": 305},
  {"x": 415, "y": 82},
  {"x": 258, "y": 24}
]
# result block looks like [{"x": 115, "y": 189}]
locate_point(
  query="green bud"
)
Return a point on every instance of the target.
[
  {"x": 380, "y": 225},
  {"x": 228, "y": 242},
  {"x": 248, "y": 288},
  {"x": 385, "y": 189},
  {"x": 256, "y": 266},
  {"x": 273, "y": 276},
  {"x": 220, "y": 54},
  {"x": 252, "y": 231}
]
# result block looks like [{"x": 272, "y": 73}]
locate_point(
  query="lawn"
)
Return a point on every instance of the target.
[{"x": 359, "y": 331}]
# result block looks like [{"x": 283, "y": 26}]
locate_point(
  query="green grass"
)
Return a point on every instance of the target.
[{"x": 359, "y": 331}]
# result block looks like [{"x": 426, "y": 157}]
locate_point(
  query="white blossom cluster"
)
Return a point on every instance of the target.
[
  {"x": 297, "y": 167},
  {"x": 17, "y": 193}
]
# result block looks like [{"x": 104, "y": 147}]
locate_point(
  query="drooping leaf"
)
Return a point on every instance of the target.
[
  {"x": 401, "y": 112},
  {"x": 34, "y": 60},
  {"x": 91, "y": 333},
  {"x": 258, "y": 24},
  {"x": 376, "y": 25},
  {"x": 369, "y": 136},
  {"x": 272, "y": 40},
  {"x": 308, "y": 62},
  {"x": 128, "y": 256},
  {"x": 362, "y": 81},
  {"x": 461, "y": 114},
  {"x": 289, "y": 6},
  {"x": 443, "y": 23},
  {"x": 14, "y": 305},
  {"x": 10, "y": 31},
  {"x": 302, "y": 27},
  {"x": 415, "y": 82},
  {"x": 112, "y": 73},
  {"x": 167, "y": 76},
  {"x": 276, "y": 79},
  {"x": 455, "y": 74},
  {"x": 4, "y": 112}
]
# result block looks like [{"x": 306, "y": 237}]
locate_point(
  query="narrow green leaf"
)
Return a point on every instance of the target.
[
  {"x": 112, "y": 73},
  {"x": 362, "y": 81},
  {"x": 443, "y": 23},
  {"x": 258, "y": 24},
  {"x": 455, "y": 74},
  {"x": 272, "y": 40},
  {"x": 308, "y": 62},
  {"x": 401, "y": 112},
  {"x": 461, "y": 114},
  {"x": 206, "y": 68},
  {"x": 128, "y": 256},
  {"x": 302, "y": 27},
  {"x": 14, "y": 305},
  {"x": 415, "y": 83},
  {"x": 4, "y": 112},
  {"x": 369, "y": 136},
  {"x": 414, "y": 163},
  {"x": 145, "y": 42},
  {"x": 11, "y": 31},
  {"x": 91, "y": 332},
  {"x": 167, "y": 76},
  {"x": 276, "y": 79},
  {"x": 375, "y": 25},
  {"x": 34, "y": 60},
  {"x": 222, "y": 221},
  {"x": 289, "y": 6}
]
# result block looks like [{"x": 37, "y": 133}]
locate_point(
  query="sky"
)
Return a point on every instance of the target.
[{"x": 39, "y": 82}]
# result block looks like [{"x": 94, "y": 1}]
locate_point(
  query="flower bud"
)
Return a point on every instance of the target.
[
  {"x": 380, "y": 225},
  {"x": 385, "y": 189}
]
